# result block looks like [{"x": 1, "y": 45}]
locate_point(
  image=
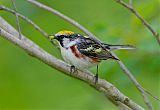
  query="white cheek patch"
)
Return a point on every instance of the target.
[
  {"x": 71, "y": 44},
  {"x": 67, "y": 43}
]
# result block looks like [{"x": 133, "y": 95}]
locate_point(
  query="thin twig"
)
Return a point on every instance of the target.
[
  {"x": 146, "y": 24},
  {"x": 17, "y": 19},
  {"x": 139, "y": 87},
  {"x": 123, "y": 67},
  {"x": 110, "y": 91},
  {"x": 24, "y": 18},
  {"x": 152, "y": 95},
  {"x": 130, "y": 2},
  {"x": 155, "y": 34},
  {"x": 66, "y": 18},
  {"x": 29, "y": 21}
]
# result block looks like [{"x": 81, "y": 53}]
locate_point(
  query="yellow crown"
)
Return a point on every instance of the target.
[{"x": 65, "y": 32}]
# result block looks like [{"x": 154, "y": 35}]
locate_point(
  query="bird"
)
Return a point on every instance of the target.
[{"x": 82, "y": 52}]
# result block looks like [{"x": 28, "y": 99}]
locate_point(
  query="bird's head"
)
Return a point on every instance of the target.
[{"x": 65, "y": 38}]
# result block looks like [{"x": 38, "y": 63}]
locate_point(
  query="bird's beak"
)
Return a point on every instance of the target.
[{"x": 51, "y": 37}]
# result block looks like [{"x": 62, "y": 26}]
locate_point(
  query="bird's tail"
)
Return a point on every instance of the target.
[{"x": 119, "y": 47}]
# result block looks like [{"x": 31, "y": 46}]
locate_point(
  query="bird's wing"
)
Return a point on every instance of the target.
[{"x": 90, "y": 48}]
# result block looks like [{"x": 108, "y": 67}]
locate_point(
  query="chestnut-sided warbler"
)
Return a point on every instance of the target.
[{"x": 82, "y": 52}]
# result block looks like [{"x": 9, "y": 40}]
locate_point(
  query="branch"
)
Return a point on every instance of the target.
[
  {"x": 17, "y": 20},
  {"x": 146, "y": 24},
  {"x": 74, "y": 23},
  {"x": 9, "y": 33}
]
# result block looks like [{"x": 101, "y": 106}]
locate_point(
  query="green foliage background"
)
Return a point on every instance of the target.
[{"x": 26, "y": 83}]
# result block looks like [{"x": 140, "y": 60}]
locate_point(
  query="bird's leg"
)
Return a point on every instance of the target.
[
  {"x": 72, "y": 69},
  {"x": 96, "y": 76}
]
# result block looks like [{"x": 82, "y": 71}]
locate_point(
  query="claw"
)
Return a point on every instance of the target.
[
  {"x": 72, "y": 69},
  {"x": 96, "y": 78}
]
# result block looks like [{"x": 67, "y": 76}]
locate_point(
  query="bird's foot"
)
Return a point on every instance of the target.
[
  {"x": 73, "y": 69},
  {"x": 96, "y": 79}
]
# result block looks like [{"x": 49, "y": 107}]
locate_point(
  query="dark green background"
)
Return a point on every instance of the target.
[{"x": 26, "y": 83}]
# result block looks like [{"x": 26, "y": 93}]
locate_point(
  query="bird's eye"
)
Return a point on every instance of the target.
[{"x": 61, "y": 36}]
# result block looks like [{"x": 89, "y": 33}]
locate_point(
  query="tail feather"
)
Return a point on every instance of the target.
[{"x": 119, "y": 47}]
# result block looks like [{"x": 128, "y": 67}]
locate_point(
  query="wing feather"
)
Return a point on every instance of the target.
[{"x": 90, "y": 48}]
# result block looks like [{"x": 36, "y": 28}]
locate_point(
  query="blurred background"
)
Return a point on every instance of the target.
[{"x": 27, "y": 83}]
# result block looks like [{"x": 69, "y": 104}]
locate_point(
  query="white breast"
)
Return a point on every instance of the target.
[{"x": 80, "y": 63}]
